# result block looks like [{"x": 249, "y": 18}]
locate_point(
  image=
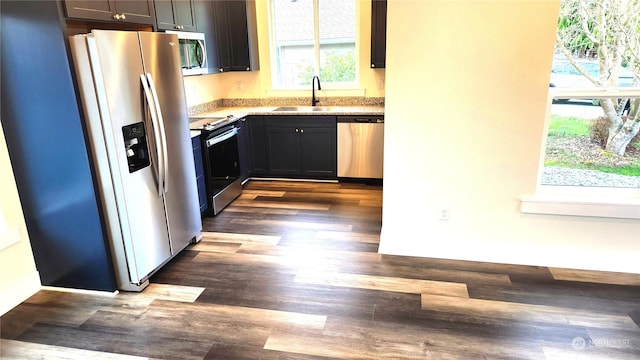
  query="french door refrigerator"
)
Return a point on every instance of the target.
[{"x": 136, "y": 116}]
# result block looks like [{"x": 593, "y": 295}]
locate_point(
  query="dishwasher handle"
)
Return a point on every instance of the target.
[{"x": 361, "y": 119}]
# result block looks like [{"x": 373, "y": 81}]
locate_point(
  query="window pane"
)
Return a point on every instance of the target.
[
  {"x": 337, "y": 40},
  {"x": 575, "y": 153},
  {"x": 295, "y": 59},
  {"x": 294, "y": 41}
]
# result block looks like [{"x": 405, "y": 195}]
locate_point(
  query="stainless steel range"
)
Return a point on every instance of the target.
[{"x": 219, "y": 138}]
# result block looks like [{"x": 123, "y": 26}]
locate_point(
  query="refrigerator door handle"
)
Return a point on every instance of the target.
[
  {"x": 156, "y": 134},
  {"x": 163, "y": 135}
]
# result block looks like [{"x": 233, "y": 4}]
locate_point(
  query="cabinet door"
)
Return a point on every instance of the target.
[
  {"x": 199, "y": 168},
  {"x": 283, "y": 150},
  {"x": 134, "y": 11},
  {"x": 378, "y": 33},
  {"x": 93, "y": 10},
  {"x": 176, "y": 15},
  {"x": 318, "y": 152},
  {"x": 221, "y": 42},
  {"x": 238, "y": 36},
  {"x": 234, "y": 22},
  {"x": 139, "y": 12},
  {"x": 244, "y": 149},
  {"x": 257, "y": 140}
]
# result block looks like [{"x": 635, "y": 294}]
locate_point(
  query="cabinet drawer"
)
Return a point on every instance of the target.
[{"x": 300, "y": 121}]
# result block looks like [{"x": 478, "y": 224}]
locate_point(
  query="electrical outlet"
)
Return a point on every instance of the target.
[{"x": 444, "y": 213}]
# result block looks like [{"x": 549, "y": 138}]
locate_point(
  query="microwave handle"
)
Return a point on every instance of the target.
[{"x": 203, "y": 51}]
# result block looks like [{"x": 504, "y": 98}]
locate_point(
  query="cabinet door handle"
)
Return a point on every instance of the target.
[
  {"x": 301, "y": 130},
  {"x": 123, "y": 17},
  {"x": 116, "y": 16},
  {"x": 297, "y": 130},
  {"x": 373, "y": 65}
]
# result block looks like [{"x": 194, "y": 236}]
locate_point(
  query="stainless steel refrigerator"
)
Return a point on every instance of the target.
[{"x": 136, "y": 116}]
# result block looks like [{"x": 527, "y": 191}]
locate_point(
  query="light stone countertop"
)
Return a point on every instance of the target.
[
  {"x": 199, "y": 119},
  {"x": 304, "y": 110}
]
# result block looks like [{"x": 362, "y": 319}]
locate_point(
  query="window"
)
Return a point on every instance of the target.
[
  {"x": 593, "y": 139},
  {"x": 313, "y": 37}
]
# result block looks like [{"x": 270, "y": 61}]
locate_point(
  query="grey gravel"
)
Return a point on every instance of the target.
[{"x": 578, "y": 177}]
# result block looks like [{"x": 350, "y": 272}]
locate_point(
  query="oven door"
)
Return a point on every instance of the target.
[{"x": 221, "y": 159}]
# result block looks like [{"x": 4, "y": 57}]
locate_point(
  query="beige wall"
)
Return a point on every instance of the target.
[
  {"x": 257, "y": 84},
  {"x": 18, "y": 275},
  {"x": 465, "y": 108}
]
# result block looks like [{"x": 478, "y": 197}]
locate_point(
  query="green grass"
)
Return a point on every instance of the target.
[
  {"x": 574, "y": 128},
  {"x": 568, "y": 126},
  {"x": 627, "y": 170}
]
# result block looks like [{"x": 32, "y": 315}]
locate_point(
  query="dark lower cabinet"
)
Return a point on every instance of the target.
[
  {"x": 200, "y": 178},
  {"x": 258, "y": 147},
  {"x": 126, "y": 11},
  {"x": 301, "y": 146},
  {"x": 244, "y": 149}
]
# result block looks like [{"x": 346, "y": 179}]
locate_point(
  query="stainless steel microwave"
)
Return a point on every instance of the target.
[{"x": 193, "y": 52}]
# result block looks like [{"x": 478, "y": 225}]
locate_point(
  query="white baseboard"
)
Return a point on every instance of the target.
[{"x": 20, "y": 290}]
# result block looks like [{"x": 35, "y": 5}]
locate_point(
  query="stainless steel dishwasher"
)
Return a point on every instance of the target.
[{"x": 360, "y": 146}]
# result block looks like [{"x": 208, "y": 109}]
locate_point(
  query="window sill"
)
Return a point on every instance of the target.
[{"x": 605, "y": 203}]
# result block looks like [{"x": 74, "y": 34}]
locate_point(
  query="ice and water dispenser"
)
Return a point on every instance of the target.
[{"x": 135, "y": 142}]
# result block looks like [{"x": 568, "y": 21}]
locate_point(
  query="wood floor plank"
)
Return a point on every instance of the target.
[
  {"x": 282, "y": 205},
  {"x": 571, "y": 353},
  {"x": 370, "y": 340},
  {"x": 173, "y": 292},
  {"x": 215, "y": 246},
  {"x": 595, "y": 277},
  {"x": 20, "y": 350},
  {"x": 294, "y": 224},
  {"x": 150, "y": 342},
  {"x": 527, "y": 312},
  {"x": 263, "y": 210},
  {"x": 239, "y": 238},
  {"x": 409, "y": 272},
  {"x": 348, "y": 236},
  {"x": 255, "y": 193},
  {"x": 412, "y": 286}
]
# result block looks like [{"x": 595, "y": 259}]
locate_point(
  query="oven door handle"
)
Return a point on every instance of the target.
[
  {"x": 156, "y": 132},
  {"x": 222, "y": 137}
]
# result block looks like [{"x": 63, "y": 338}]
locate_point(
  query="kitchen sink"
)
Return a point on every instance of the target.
[{"x": 304, "y": 108}]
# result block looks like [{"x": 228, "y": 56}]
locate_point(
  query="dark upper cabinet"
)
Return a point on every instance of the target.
[
  {"x": 230, "y": 32},
  {"x": 378, "y": 33},
  {"x": 133, "y": 11},
  {"x": 301, "y": 146},
  {"x": 176, "y": 15},
  {"x": 235, "y": 35}
]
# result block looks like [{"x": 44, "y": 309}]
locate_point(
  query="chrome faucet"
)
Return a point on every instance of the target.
[{"x": 313, "y": 89}]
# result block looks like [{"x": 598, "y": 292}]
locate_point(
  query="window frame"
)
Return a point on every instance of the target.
[
  {"x": 273, "y": 53},
  {"x": 593, "y": 201}
]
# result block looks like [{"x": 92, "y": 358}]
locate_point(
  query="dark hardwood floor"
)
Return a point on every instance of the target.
[{"x": 291, "y": 271}]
